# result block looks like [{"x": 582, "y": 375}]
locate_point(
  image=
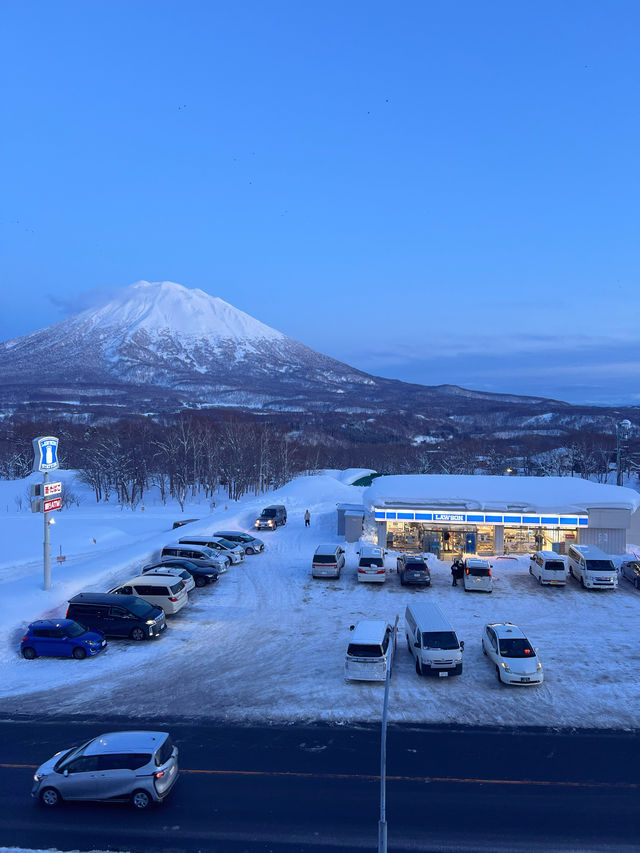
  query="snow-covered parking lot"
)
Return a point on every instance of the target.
[{"x": 267, "y": 642}]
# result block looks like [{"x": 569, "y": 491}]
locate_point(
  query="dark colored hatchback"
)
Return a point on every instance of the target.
[
  {"x": 117, "y": 615},
  {"x": 413, "y": 570},
  {"x": 202, "y": 575},
  {"x": 61, "y": 638}
]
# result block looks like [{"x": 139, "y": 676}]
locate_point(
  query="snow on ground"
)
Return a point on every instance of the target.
[{"x": 267, "y": 642}]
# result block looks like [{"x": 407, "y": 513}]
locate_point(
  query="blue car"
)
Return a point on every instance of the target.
[{"x": 61, "y": 638}]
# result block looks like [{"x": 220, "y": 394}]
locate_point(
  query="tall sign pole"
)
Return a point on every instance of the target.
[{"x": 45, "y": 459}]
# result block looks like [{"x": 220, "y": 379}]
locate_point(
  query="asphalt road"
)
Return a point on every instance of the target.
[{"x": 316, "y": 788}]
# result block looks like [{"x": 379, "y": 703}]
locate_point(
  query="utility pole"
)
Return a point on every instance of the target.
[
  {"x": 622, "y": 445},
  {"x": 382, "y": 823}
]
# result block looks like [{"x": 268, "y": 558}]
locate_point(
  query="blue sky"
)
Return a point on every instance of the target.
[{"x": 432, "y": 191}]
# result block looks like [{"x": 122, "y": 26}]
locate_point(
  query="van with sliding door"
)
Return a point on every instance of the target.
[
  {"x": 371, "y": 564},
  {"x": 592, "y": 567},
  {"x": 548, "y": 568},
  {"x": 432, "y": 641},
  {"x": 370, "y": 651}
]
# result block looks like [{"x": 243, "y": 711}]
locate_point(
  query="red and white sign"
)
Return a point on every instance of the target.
[
  {"x": 52, "y": 489},
  {"x": 50, "y": 505}
]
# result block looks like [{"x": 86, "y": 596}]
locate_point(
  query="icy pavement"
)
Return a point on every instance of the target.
[{"x": 267, "y": 642}]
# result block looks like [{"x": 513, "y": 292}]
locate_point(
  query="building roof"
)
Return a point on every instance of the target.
[{"x": 484, "y": 492}]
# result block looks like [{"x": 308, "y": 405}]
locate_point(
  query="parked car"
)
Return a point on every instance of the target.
[
  {"x": 117, "y": 615},
  {"x": 477, "y": 575},
  {"x": 61, "y": 638},
  {"x": 631, "y": 571},
  {"x": 197, "y": 554},
  {"x": 163, "y": 591},
  {"x": 202, "y": 575},
  {"x": 171, "y": 571},
  {"x": 184, "y": 521},
  {"x": 371, "y": 567},
  {"x": 432, "y": 641},
  {"x": 370, "y": 651},
  {"x": 413, "y": 569},
  {"x": 231, "y": 550},
  {"x": 549, "y": 568},
  {"x": 271, "y": 517},
  {"x": 250, "y": 544},
  {"x": 138, "y": 767},
  {"x": 327, "y": 561},
  {"x": 592, "y": 567},
  {"x": 515, "y": 659}
]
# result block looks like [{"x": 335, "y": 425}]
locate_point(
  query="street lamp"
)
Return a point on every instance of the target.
[{"x": 623, "y": 429}]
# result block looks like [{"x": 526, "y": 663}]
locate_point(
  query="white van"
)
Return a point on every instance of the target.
[
  {"x": 170, "y": 593},
  {"x": 327, "y": 562},
  {"x": 371, "y": 564},
  {"x": 370, "y": 651},
  {"x": 549, "y": 568},
  {"x": 476, "y": 575},
  {"x": 592, "y": 567},
  {"x": 432, "y": 641}
]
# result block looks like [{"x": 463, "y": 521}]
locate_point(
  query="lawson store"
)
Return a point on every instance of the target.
[{"x": 449, "y": 514}]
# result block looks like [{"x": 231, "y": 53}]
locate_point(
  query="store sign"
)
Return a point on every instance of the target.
[
  {"x": 448, "y": 516},
  {"x": 45, "y": 452}
]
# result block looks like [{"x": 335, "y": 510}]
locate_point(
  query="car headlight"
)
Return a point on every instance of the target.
[
  {"x": 38, "y": 777},
  {"x": 150, "y": 622},
  {"x": 211, "y": 576},
  {"x": 538, "y": 666},
  {"x": 505, "y": 666}
]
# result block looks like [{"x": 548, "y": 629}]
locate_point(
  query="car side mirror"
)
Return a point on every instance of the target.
[
  {"x": 416, "y": 644},
  {"x": 461, "y": 645},
  {"x": 66, "y": 772},
  {"x": 351, "y": 627}
]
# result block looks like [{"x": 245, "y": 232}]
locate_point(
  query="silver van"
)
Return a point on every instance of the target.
[
  {"x": 432, "y": 641},
  {"x": 371, "y": 567},
  {"x": 548, "y": 568},
  {"x": 476, "y": 575},
  {"x": 139, "y": 767},
  {"x": 198, "y": 554},
  {"x": 224, "y": 547},
  {"x": 327, "y": 562},
  {"x": 370, "y": 651},
  {"x": 592, "y": 567}
]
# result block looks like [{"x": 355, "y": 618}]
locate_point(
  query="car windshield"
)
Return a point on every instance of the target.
[
  {"x": 226, "y": 543},
  {"x": 440, "y": 640},
  {"x": 74, "y": 630},
  {"x": 70, "y": 754},
  {"x": 360, "y": 650},
  {"x": 478, "y": 573},
  {"x": 269, "y": 513},
  {"x": 516, "y": 648},
  {"x": 600, "y": 566},
  {"x": 139, "y": 607},
  {"x": 208, "y": 552}
]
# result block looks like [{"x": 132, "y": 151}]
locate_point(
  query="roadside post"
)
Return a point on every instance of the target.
[
  {"x": 43, "y": 495},
  {"x": 382, "y": 823}
]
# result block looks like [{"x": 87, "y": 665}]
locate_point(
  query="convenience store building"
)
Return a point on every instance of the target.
[{"x": 449, "y": 514}]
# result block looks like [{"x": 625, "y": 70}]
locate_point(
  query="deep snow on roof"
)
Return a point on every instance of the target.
[{"x": 484, "y": 492}]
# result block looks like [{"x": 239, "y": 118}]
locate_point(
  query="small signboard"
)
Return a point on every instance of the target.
[
  {"x": 45, "y": 450},
  {"x": 52, "y": 489},
  {"x": 51, "y": 504}
]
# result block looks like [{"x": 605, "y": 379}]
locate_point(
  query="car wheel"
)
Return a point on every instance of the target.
[
  {"x": 636, "y": 583},
  {"x": 250, "y": 551},
  {"x": 50, "y": 798},
  {"x": 539, "y": 581},
  {"x": 200, "y": 581},
  {"x": 79, "y": 653},
  {"x": 29, "y": 653},
  {"x": 418, "y": 667},
  {"x": 582, "y": 582},
  {"x": 498, "y": 674},
  {"x": 137, "y": 634},
  {"x": 484, "y": 651},
  {"x": 402, "y": 581},
  {"x": 409, "y": 645},
  {"x": 140, "y": 800}
]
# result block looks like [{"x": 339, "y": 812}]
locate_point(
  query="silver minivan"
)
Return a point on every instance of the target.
[
  {"x": 327, "y": 562},
  {"x": 548, "y": 568},
  {"x": 137, "y": 767},
  {"x": 477, "y": 575},
  {"x": 370, "y": 651},
  {"x": 219, "y": 544}
]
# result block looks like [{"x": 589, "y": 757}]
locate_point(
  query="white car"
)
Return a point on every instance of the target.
[
  {"x": 476, "y": 576},
  {"x": 514, "y": 657},
  {"x": 183, "y": 574}
]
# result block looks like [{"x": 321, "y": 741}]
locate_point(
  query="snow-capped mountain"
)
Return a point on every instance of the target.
[{"x": 159, "y": 347}]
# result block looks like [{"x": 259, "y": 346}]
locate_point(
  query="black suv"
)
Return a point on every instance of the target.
[
  {"x": 271, "y": 517},
  {"x": 413, "y": 569},
  {"x": 117, "y": 615}
]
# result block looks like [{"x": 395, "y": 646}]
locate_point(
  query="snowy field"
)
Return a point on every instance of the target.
[{"x": 267, "y": 642}]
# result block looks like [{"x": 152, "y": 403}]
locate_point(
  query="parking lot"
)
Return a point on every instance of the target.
[{"x": 267, "y": 642}]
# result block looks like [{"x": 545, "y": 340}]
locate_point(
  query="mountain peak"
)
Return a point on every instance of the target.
[{"x": 161, "y": 307}]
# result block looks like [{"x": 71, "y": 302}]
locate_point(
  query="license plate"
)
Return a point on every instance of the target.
[
  {"x": 525, "y": 680},
  {"x": 443, "y": 674}
]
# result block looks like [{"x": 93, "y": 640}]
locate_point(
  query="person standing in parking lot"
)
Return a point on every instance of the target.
[{"x": 307, "y": 518}]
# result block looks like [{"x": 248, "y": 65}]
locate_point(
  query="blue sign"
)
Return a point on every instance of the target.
[{"x": 45, "y": 450}]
